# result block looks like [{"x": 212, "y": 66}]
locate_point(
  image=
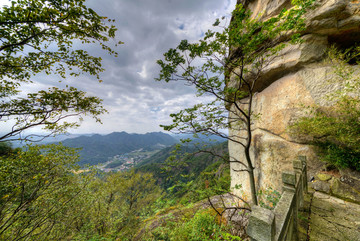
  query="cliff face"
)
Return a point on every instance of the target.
[{"x": 298, "y": 75}]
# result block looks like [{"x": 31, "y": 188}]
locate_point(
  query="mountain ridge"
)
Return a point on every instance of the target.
[{"x": 99, "y": 148}]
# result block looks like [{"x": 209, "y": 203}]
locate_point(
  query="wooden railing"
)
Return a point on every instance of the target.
[{"x": 281, "y": 224}]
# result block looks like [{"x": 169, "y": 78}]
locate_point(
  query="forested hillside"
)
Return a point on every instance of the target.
[
  {"x": 55, "y": 203},
  {"x": 99, "y": 148},
  {"x": 190, "y": 163}
]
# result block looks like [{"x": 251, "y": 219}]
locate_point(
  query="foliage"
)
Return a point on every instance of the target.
[
  {"x": 206, "y": 177},
  {"x": 240, "y": 51},
  {"x": 39, "y": 37},
  {"x": 37, "y": 190},
  {"x": 185, "y": 179},
  {"x": 214, "y": 180},
  {"x": 336, "y": 130},
  {"x": 181, "y": 169},
  {"x": 201, "y": 227},
  {"x": 115, "y": 206},
  {"x": 51, "y": 199},
  {"x": 43, "y": 196},
  {"x": 6, "y": 149},
  {"x": 40, "y": 188},
  {"x": 165, "y": 153},
  {"x": 268, "y": 198}
]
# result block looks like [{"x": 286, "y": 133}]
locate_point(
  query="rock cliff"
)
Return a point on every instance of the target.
[{"x": 298, "y": 75}]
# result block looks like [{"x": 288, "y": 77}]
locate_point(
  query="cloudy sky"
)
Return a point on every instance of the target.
[{"x": 135, "y": 101}]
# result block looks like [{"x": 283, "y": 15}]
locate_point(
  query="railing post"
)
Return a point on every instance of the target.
[
  {"x": 289, "y": 180},
  {"x": 304, "y": 163},
  {"x": 261, "y": 225},
  {"x": 298, "y": 168}
]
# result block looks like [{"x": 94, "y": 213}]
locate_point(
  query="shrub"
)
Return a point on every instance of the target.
[
  {"x": 336, "y": 130},
  {"x": 202, "y": 226}
]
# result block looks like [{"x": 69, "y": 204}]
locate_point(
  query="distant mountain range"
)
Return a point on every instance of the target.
[{"x": 99, "y": 148}]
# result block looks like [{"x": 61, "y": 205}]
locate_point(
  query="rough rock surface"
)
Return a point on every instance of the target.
[
  {"x": 333, "y": 219},
  {"x": 328, "y": 218},
  {"x": 296, "y": 77},
  {"x": 342, "y": 185}
]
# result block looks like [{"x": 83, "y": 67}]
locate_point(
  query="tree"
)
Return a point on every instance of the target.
[
  {"x": 227, "y": 66},
  {"x": 336, "y": 130},
  {"x": 39, "y": 37},
  {"x": 37, "y": 191},
  {"x": 44, "y": 196},
  {"x": 5, "y": 149},
  {"x": 115, "y": 205},
  {"x": 38, "y": 184}
]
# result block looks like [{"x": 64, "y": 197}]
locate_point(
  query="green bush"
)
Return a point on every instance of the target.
[
  {"x": 201, "y": 227},
  {"x": 336, "y": 130},
  {"x": 342, "y": 157},
  {"x": 214, "y": 180}
]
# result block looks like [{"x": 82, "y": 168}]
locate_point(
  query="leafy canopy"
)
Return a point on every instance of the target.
[
  {"x": 45, "y": 196},
  {"x": 48, "y": 37},
  {"x": 37, "y": 189}
]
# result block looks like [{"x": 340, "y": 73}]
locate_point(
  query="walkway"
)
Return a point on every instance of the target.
[{"x": 330, "y": 219}]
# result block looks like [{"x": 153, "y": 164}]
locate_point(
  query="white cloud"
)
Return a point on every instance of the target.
[
  {"x": 135, "y": 101},
  {"x": 143, "y": 73}
]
